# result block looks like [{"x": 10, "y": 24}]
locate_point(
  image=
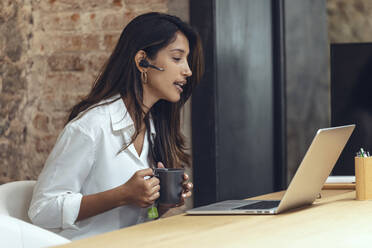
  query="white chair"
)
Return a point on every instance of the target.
[
  {"x": 16, "y": 233},
  {"x": 16, "y": 229},
  {"x": 15, "y": 198}
]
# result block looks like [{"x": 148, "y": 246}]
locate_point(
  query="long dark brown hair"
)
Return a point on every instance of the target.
[{"x": 148, "y": 32}]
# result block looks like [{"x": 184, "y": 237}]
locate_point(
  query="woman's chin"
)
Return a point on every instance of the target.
[{"x": 174, "y": 98}]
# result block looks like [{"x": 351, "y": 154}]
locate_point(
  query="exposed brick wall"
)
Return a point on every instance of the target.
[
  {"x": 349, "y": 20},
  {"x": 50, "y": 54},
  {"x": 15, "y": 29}
]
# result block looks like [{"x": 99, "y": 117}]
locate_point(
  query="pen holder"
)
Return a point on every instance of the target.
[{"x": 363, "y": 178}]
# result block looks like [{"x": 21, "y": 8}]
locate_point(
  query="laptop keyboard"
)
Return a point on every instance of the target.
[{"x": 261, "y": 205}]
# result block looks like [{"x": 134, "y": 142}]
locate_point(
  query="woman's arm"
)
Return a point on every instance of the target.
[
  {"x": 57, "y": 201},
  {"x": 56, "y": 198},
  {"x": 137, "y": 191}
]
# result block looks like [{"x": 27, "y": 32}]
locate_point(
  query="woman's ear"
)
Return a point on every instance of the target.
[{"x": 140, "y": 55}]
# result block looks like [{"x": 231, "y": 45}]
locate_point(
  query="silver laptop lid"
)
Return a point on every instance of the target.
[{"x": 315, "y": 167}]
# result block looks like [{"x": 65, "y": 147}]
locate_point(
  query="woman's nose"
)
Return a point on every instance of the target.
[{"x": 187, "y": 71}]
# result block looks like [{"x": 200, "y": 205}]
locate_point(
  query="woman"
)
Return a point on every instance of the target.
[{"x": 98, "y": 177}]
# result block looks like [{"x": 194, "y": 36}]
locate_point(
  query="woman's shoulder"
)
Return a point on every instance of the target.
[
  {"x": 99, "y": 117},
  {"x": 93, "y": 120}
]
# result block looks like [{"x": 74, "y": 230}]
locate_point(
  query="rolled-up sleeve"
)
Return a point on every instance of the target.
[{"x": 57, "y": 195}]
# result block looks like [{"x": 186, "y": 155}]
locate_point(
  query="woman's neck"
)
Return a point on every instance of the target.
[{"x": 129, "y": 103}]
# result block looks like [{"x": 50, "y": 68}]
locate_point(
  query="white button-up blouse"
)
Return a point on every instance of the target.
[{"x": 85, "y": 160}]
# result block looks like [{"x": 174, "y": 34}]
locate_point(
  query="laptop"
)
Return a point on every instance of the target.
[{"x": 306, "y": 184}]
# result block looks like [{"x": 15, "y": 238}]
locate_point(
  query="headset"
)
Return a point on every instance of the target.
[{"x": 145, "y": 64}]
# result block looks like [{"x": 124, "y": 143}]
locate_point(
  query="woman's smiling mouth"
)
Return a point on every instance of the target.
[{"x": 179, "y": 85}]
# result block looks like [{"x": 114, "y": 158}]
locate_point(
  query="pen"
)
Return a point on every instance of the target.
[{"x": 363, "y": 153}]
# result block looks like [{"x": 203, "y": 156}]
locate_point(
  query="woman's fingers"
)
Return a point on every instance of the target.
[
  {"x": 161, "y": 165},
  {"x": 155, "y": 189},
  {"x": 154, "y": 181},
  {"x": 154, "y": 196},
  {"x": 186, "y": 194},
  {"x": 185, "y": 177},
  {"x": 187, "y": 186}
]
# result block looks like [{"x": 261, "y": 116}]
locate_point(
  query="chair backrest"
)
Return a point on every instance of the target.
[
  {"x": 16, "y": 233},
  {"x": 15, "y": 198}
]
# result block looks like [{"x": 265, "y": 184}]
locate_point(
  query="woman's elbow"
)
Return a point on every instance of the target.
[{"x": 45, "y": 217}]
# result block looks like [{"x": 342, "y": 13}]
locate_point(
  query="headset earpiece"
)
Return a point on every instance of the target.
[{"x": 144, "y": 63}]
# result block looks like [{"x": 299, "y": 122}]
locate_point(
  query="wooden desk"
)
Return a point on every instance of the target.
[{"x": 335, "y": 220}]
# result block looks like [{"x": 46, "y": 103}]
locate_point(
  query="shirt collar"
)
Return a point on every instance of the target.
[{"x": 120, "y": 117}]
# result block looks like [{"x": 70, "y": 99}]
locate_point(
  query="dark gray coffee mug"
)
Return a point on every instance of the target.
[{"x": 170, "y": 184}]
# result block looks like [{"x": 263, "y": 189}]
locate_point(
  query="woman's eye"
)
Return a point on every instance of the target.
[{"x": 176, "y": 59}]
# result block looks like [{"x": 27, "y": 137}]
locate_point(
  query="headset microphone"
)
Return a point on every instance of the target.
[{"x": 144, "y": 63}]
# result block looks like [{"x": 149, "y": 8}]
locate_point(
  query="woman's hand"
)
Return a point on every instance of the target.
[
  {"x": 186, "y": 193},
  {"x": 140, "y": 191}
]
